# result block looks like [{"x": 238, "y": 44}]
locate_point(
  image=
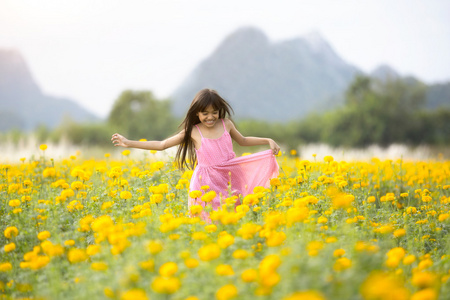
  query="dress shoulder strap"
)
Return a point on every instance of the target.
[
  {"x": 223, "y": 122},
  {"x": 199, "y": 131}
]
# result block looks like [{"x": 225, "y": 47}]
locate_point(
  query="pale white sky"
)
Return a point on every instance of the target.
[{"x": 92, "y": 50}]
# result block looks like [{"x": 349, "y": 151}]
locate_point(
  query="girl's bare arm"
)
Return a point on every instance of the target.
[
  {"x": 120, "y": 140},
  {"x": 250, "y": 140}
]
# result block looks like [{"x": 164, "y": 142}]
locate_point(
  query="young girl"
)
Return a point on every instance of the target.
[{"x": 209, "y": 149}]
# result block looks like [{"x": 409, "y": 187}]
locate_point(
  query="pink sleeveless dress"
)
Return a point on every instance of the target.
[{"x": 217, "y": 166}]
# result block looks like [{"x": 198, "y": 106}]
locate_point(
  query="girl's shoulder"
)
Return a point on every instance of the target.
[{"x": 228, "y": 122}]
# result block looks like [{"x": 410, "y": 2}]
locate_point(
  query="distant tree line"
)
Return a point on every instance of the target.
[{"x": 375, "y": 111}]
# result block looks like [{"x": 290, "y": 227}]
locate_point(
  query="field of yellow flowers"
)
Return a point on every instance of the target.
[{"x": 121, "y": 229}]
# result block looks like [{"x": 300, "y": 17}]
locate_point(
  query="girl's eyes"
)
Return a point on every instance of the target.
[{"x": 214, "y": 113}]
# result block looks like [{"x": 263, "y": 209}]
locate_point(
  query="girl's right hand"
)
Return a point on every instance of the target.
[{"x": 119, "y": 140}]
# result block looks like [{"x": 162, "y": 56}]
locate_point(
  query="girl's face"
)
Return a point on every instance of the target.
[{"x": 209, "y": 116}]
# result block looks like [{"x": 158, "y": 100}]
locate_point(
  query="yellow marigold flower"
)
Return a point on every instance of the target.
[
  {"x": 426, "y": 263},
  {"x": 106, "y": 205},
  {"x": 99, "y": 266},
  {"x": 313, "y": 247},
  {"x": 331, "y": 239},
  {"x": 211, "y": 228},
  {"x": 399, "y": 232},
  {"x": 322, "y": 220},
  {"x": 409, "y": 259},
  {"x": 269, "y": 264},
  {"x": 424, "y": 279},
  {"x": 67, "y": 193},
  {"x": 5, "y": 267},
  {"x": 156, "y": 198},
  {"x": 125, "y": 195},
  {"x": 224, "y": 270},
  {"x": 49, "y": 172},
  {"x": 328, "y": 158},
  {"x": 305, "y": 295},
  {"x": 78, "y": 173},
  {"x": 275, "y": 182},
  {"x": 196, "y": 209},
  {"x": 425, "y": 294},
  {"x": 52, "y": 250},
  {"x": 126, "y": 152},
  {"x": 77, "y": 185},
  {"x": 166, "y": 285},
  {"x": 43, "y": 235},
  {"x": 156, "y": 166},
  {"x": 342, "y": 200},
  {"x": 209, "y": 196},
  {"x": 275, "y": 238},
  {"x": 43, "y": 147},
  {"x": 9, "y": 247},
  {"x": 397, "y": 252},
  {"x": 338, "y": 252},
  {"x": 443, "y": 217},
  {"x": 191, "y": 263},
  {"x": 392, "y": 287},
  {"x": 14, "y": 203},
  {"x": 168, "y": 269},
  {"x": 115, "y": 172},
  {"x": 225, "y": 240},
  {"x": 39, "y": 262},
  {"x": 241, "y": 254},
  {"x": 133, "y": 294},
  {"x": 77, "y": 255},
  {"x": 69, "y": 243},
  {"x": 426, "y": 198},
  {"x": 155, "y": 247},
  {"x": 249, "y": 275},
  {"x": 342, "y": 264},
  {"x": 11, "y": 232},
  {"x": 411, "y": 210},
  {"x": 195, "y": 194},
  {"x": 371, "y": 199},
  {"x": 269, "y": 280},
  {"x": 343, "y": 183},
  {"x": 209, "y": 252},
  {"x": 248, "y": 230},
  {"x": 227, "y": 292},
  {"x": 385, "y": 229},
  {"x": 198, "y": 236},
  {"x": 148, "y": 265}
]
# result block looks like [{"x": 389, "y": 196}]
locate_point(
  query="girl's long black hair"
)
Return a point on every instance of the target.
[{"x": 186, "y": 156}]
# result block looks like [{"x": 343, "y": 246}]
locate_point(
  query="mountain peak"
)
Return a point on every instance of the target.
[
  {"x": 384, "y": 72},
  {"x": 14, "y": 71},
  {"x": 250, "y": 36},
  {"x": 255, "y": 74},
  {"x": 316, "y": 41},
  {"x": 248, "y": 32},
  {"x": 22, "y": 103}
]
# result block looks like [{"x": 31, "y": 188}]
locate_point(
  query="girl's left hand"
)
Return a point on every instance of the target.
[{"x": 274, "y": 146}]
